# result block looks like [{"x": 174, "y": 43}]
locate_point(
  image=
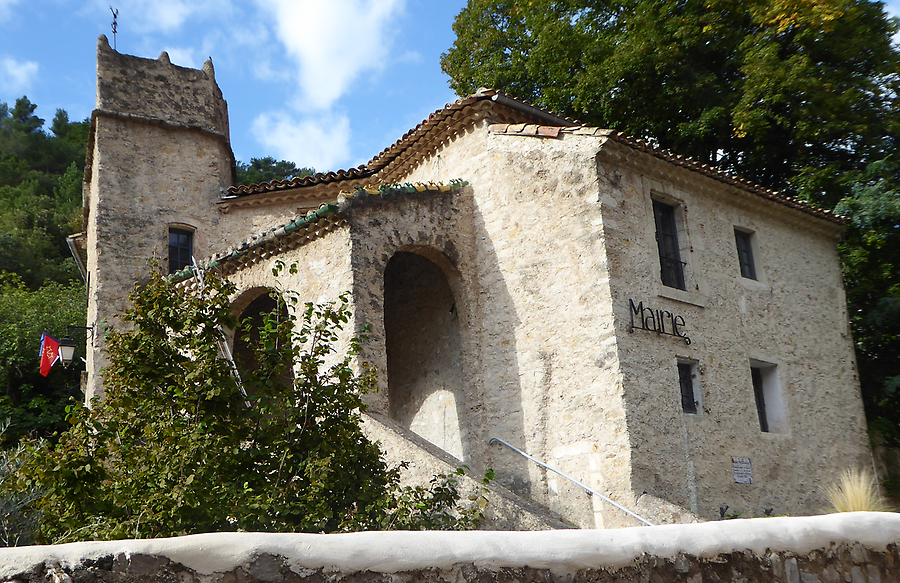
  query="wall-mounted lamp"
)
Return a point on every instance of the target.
[{"x": 67, "y": 345}]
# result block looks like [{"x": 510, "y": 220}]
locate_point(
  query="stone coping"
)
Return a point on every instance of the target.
[{"x": 561, "y": 551}]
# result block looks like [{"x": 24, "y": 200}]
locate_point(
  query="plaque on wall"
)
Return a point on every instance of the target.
[{"x": 740, "y": 467}]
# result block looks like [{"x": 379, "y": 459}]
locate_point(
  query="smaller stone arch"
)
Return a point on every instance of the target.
[{"x": 251, "y": 305}]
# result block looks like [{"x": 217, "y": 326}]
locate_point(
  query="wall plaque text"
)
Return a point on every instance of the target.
[{"x": 741, "y": 469}]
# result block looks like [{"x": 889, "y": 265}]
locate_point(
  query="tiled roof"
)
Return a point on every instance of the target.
[
  {"x": 308, "y": 227},
  {"x": 452, "y": 117},
  {"x": 721, "y": 176},
  {"x": 509, "y": 116},
  {"x": 670, "y": 157}
]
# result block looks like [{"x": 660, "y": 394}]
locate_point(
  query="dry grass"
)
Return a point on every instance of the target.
[{"x": 857, "y": 490}]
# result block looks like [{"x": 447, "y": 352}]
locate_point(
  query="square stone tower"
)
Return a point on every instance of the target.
[{"x": 159, "y": 158}]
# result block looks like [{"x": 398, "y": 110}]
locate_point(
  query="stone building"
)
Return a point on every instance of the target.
[{"x": 674, "y": 337}]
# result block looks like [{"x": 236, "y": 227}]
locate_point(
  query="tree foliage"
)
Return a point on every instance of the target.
[
  {"x": 40, "y": 193},
  {"x": 267, "y": 169},
  {"x": 793, "y": 95},
  {"x": 40, "y": 287},
  {"x": 179, "y": 446},
  {"x": 35, "y": 405},
  {"x": 871, "y": 255}
]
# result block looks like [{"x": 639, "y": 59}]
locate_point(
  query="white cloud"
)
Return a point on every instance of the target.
[
  {"x": 183, "y": 57},
  {"x": 411, "y": 57},
  {"x": 322, "y": 141},
  {"x": 6, "y": 8},
  {"x": 332, "y": 42},
  {"x": 148, "y": 16},
  {"x": 17, "y": 76}
]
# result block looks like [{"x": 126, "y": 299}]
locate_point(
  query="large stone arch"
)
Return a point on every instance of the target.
[{"x": 423, "y": 341}]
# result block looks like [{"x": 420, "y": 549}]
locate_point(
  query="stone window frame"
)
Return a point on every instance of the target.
[
  {"x": 692, "y": 284},
  {"x": 671, "y": 267},
  {"x": 689, "y": 372},
  {"x": 180, "y": 229},
  {"x": 745, "y": 245},
  {"x": 768, "y": 396}
]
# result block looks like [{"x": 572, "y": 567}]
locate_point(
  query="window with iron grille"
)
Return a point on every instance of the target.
[
  {"x": 686, "y": 375},
  {"x": 671, "y": 266},
  {"x": 745, "y": 253},
  {"x": 181, "y": 249}
]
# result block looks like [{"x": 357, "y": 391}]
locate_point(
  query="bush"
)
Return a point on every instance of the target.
[
  {"x": 180, "y": 445},
  {"x": 857, "y": 490}
]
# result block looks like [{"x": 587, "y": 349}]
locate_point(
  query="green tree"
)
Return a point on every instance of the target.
[
  {"x": 34, "y": 405},
  {"x": 267, "y": 169},
  {"x": 793, "y": 95},
  {"x": 871, "y": 257},
  {"x": 40, "y": 287},
  {"x": 179, "y": 446}
]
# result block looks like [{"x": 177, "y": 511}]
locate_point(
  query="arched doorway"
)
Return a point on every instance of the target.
[{"x": 424, "y": 351}]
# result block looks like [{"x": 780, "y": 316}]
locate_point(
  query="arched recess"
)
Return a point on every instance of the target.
[
  {"x": 252, "y": 305},
  {"x": 424, "y": 351}
]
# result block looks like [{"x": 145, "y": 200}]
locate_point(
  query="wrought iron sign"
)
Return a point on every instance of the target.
[{"x": 659, "y": 321}]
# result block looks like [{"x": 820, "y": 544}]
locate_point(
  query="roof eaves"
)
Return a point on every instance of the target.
[
  {"x": 719, "y": 175},
  {"x": 332, "y": 212},
  {"x": 456, "y": 113}
]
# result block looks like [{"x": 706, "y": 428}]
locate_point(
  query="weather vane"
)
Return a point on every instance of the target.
[{"x": 115, "y": 25}]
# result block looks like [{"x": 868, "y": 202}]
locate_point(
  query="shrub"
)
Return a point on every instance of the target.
[
  {"x": 857, "y": 490},
  {"x": 179, "y": 445}
]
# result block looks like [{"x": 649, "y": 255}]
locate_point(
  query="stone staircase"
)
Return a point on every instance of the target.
[{"x": 505, "y": 510}]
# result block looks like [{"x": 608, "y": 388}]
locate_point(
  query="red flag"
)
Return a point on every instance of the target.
[{"x": 49, "y": 352}]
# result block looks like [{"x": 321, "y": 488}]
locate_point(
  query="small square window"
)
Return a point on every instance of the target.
[
  {"x": 744, "y": 242},
  {"x": 181, "y": 249},
  {"x": 687, "y": 377}
]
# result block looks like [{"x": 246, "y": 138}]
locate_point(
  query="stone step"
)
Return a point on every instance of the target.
[{"x": 504, "y": 511}]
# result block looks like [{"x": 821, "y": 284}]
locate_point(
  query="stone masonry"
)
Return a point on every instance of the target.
[
  {"x": 851, "y": 548},
  {"x": 505, "y": 262}
]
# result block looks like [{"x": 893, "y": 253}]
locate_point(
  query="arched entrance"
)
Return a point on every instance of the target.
[{"x": 424, "y": 351}]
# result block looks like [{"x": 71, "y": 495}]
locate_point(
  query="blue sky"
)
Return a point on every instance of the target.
[{"x": 324, "y": 83}]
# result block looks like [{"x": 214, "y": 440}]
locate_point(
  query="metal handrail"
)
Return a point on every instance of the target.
[{"x": 590, "y": 491}]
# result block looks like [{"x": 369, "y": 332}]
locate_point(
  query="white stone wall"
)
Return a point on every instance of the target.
[
  {"x": 563, "y": 238},
  {"x": 159, "y": 157},
  {"x": 858, "y": 547},
  {"x": 794, "y": 316},
  {"x": 543, "y": 346},
  {"x": 323, "y": 273},
  {"x": 144, "y": 178}
]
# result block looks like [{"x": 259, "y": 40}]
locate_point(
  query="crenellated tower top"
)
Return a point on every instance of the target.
[{"x": 157, "y": 90}]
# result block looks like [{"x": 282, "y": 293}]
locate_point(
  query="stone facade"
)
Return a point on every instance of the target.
[{"x": 515, "y": 292}]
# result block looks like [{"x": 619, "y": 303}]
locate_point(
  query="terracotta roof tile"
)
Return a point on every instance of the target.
[
  {"x": 308, "y": 226},
  {"x": 509, "y": 116},
  {"x": 460, "y": 111}
]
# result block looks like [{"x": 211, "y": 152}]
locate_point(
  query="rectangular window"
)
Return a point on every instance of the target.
[
  {"x": 671, "y": 266},
  {"x": 745, "y": 253},
  {"x": 181, "y": 249},
  {"x": 769, "y": 399},
  {"x": 687, "y": 373},
  {"x": 760, "y": 395}
]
